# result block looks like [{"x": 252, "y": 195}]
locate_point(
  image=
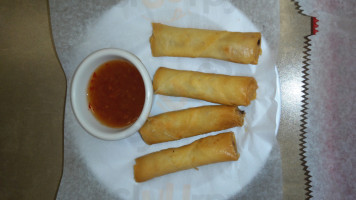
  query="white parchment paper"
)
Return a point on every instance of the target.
[
  {"x": 331, "y": 138},
  {"x": 127, "y": 25}
]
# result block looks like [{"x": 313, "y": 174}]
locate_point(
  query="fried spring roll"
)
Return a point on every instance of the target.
[
  {"x": 208, "y": 150},
  {"x": 190, "y": 122},
  {"x": 216, "y": 88},
  {"x": 236, "y": 47}
]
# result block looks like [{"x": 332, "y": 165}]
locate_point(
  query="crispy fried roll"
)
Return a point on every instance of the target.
[
  {"x": 208, "y": 150},
  {"x": 190, "y": 122},
  {"x": 216, "y": 88},
  {"x": 236, "y": 47}
]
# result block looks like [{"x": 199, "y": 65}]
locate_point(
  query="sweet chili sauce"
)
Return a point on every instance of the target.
[{"x": 116, "y": 93}]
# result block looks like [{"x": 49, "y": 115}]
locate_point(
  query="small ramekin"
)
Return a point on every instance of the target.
[{"x": 79, "y": 99}]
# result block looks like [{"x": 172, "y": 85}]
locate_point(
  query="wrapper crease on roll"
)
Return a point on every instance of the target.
[
  {"x": 208, "y": 150},
  {"x": 236, "y": 47},
  {"x": 180, "y": 124},
  {"x": 216, "y": 88}
]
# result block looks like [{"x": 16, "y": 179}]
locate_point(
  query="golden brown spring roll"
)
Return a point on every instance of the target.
[
  {"x": 208, "y": 150},
  {"x": 216, "y": 88},
  {"x": 236, "y": 47},
  {"x": 190, "y": 122}
]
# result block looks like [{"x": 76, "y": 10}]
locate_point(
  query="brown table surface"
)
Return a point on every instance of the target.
[{"x": 33, "y": 87}]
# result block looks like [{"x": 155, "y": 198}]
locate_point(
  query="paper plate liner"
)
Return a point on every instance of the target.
[
  {"x": 303, "y": 124},
  {"x": 305, "y": 102}
]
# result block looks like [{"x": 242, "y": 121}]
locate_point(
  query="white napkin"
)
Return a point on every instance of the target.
[{"x": 127, "y": 25}]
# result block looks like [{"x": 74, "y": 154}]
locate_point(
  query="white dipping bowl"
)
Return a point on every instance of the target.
[{"x": 79, "y": 99}]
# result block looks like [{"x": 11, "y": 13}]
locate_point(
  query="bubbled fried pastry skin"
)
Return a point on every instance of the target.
[
  {"x": 208, "y": 150},
  {"x": 244, "y": 48},
  {"x": 216, "y": 88},
  {"x": 189, "y": 122}
]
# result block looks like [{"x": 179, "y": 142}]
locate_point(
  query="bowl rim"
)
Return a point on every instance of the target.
[{"x": 120, "y": 133}]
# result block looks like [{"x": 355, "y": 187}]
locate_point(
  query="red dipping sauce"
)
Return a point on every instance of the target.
[{"x": 116, "y": 93}]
